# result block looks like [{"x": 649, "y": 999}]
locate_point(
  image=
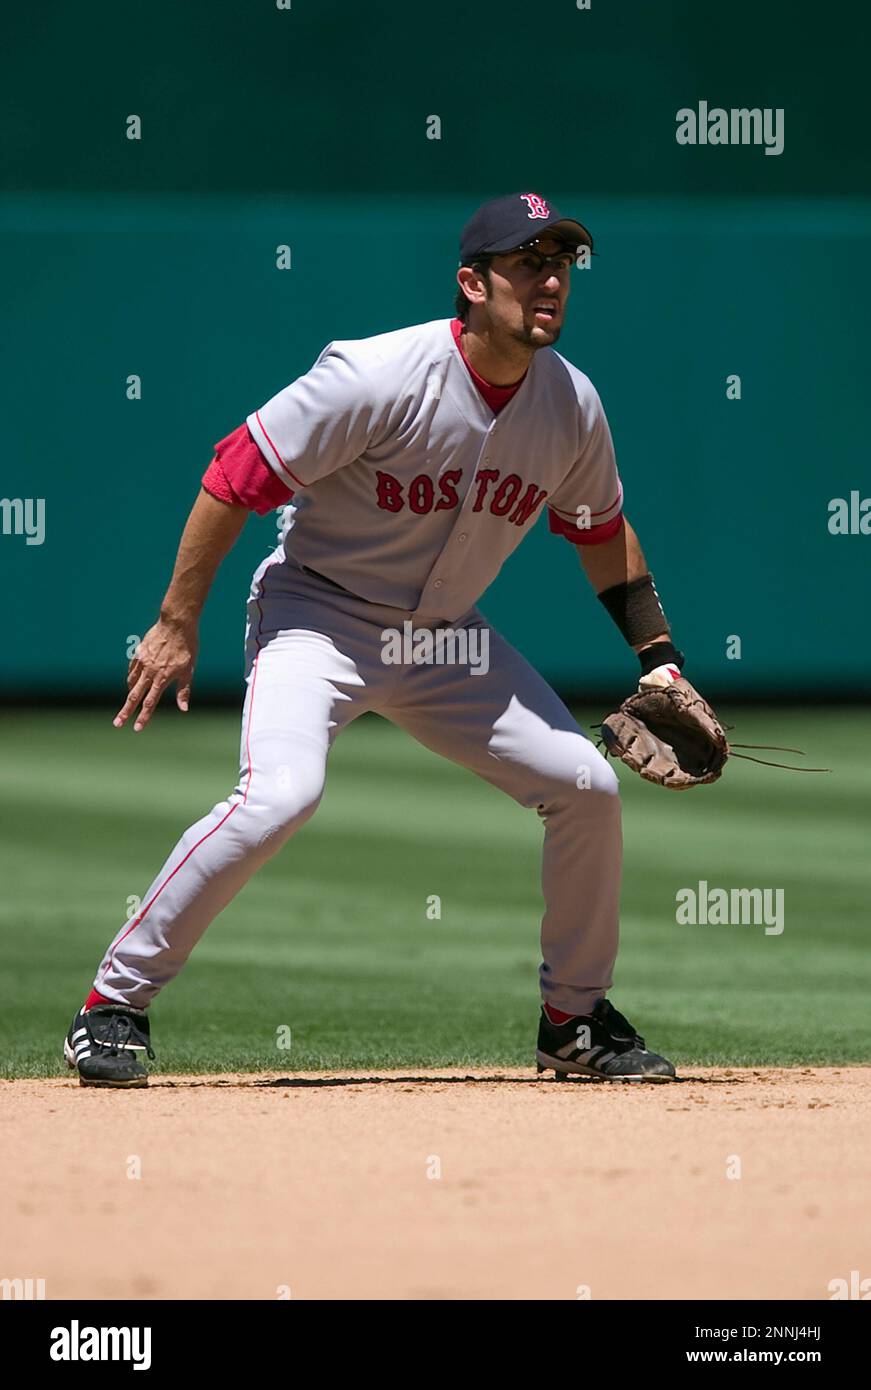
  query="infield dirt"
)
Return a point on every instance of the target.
[{"x": 453, "y": 1184}]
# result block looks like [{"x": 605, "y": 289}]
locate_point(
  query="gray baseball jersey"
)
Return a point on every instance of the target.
[{"x": 408, "y": 491}]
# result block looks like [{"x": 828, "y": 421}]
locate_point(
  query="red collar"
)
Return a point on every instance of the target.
[{"x": 495, "y": 396}]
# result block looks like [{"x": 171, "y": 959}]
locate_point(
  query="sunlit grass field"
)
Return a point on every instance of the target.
[{"x": 332, "y": 944}]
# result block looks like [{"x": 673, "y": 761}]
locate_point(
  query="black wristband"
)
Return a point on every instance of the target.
[
  {"x": 636, "y": 609},
  {"x": 660, "y": 654}
]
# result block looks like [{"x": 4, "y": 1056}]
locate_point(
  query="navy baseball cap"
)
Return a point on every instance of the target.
[{"x": 503, "y": 224}]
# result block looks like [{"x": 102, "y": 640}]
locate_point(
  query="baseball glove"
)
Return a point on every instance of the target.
[{"x": 670, "y": 735}]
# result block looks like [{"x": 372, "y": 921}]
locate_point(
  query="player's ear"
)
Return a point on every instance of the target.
[
  {"x": 472, "y": 282},
  {"x": 465, "y": 275}
]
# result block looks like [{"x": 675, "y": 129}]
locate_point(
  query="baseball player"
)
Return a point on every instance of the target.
[{"x": 410, "y": 464}]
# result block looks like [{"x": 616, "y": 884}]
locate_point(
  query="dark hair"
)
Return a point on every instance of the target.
[{"x": 461, "y": 303}]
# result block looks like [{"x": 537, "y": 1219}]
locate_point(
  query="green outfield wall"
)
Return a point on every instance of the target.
[{"x": 724, "y": 322}]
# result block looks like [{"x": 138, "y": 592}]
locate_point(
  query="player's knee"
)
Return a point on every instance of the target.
[
  {"x": 589, "y": 771},
  {"x": 290, "y": 807},
  {"x": 277, "y": 808},
  {"x": 603, "y": 778},
  {"x": 586, "y": 781}
]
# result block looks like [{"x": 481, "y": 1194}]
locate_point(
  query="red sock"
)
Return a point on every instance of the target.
[
  {"x": 557, "y": 1015},
  {"x": 95, "y": 998}
]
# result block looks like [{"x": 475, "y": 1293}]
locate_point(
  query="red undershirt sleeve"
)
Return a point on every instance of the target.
[
  {"x": 591, "y": 535},
  {"x": 240, "y": 475},
  {"x": 215, "y": 482}
]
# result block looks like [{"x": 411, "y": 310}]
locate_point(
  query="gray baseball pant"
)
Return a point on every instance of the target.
[{"x": 314, "y": 663}]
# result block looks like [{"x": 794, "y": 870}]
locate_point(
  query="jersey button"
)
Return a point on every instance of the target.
[
  {"x": 437, "y": 583},
  {"x": 461, "y": 536}
]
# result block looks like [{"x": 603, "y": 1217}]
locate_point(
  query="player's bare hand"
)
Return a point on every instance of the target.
[{"x": 165, "y": 656}]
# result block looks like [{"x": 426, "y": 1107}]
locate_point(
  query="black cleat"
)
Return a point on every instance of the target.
[
  {"x": 103, "y": 1046},
  {"x": 602, "y": 1044}
]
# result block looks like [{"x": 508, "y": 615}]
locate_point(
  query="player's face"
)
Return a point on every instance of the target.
[{"x": 528, "y": 293}]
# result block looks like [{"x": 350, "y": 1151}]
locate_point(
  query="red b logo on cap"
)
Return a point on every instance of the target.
[{"x": 537, "y": 206}]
